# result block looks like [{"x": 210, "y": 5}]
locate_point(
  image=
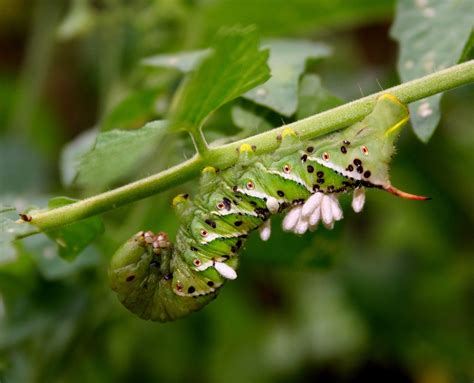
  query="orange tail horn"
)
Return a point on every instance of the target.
[{"x": 400, "y": 193}]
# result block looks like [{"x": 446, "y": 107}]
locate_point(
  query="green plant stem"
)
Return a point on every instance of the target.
[
  {"x": 200, "y": 143},
  {"x": 226, "y": 155}
]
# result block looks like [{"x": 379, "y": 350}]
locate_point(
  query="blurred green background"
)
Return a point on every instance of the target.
[{"x": 388, "y": 295}]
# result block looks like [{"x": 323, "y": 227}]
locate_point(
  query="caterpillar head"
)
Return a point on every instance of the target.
[{"x": 141, "y": 274}]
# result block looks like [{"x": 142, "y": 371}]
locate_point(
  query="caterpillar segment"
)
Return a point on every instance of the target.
[
  {"x": 141, "y": 273},
  {"x": 162, "y": 282}
]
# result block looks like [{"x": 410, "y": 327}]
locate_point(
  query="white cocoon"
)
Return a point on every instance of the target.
[
  {"x": 265, "y": 230},
  {"x": 272, "y": 205},
  {"x": 311, "y": 204},
  {"x": 291, "y": 218},
  {"x": 225, "y": 270},
  {"x": 358, "y": 199}
]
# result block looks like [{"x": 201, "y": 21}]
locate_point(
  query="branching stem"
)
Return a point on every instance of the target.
[
  {"x": 200, "y": 143},
  {"x": 226, "y": 155}
]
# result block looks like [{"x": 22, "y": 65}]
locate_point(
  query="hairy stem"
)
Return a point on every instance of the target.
[{"x": 226, "y": 155}]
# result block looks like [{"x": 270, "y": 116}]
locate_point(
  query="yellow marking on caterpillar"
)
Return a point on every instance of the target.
[
  {"x": 393, "y": 98},
  {"x": 180, "y": 198},
  {"x": 288, "y": 132},
  {"x": 209, "y": 169},
  {"x": 245, "y": 148},
  {"x": 398, "y": 125}
]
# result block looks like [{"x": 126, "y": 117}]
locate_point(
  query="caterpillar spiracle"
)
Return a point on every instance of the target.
[{"x": 160, "y": 281}]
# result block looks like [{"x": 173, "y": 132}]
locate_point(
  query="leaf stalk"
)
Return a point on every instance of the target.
[{"x": 199, "y": 142}]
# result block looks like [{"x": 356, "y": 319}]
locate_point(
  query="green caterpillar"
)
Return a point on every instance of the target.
[{"x": 159, "y": 281}]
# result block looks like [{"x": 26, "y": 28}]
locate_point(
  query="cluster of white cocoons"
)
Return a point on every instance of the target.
[{"x": 319, "y": 207}]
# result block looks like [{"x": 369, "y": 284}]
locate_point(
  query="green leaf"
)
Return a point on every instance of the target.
[
  {"x": 468, "y": 53},
  {"x": 183, "y": 61},
  {"x": 72, "y": 154},
  {"x": 133, "y": 111},
  {"x": 313, "y": 98},
  {"x": 235, "y": 65},
  {"x": 249, "y": 121},
  {"x": 51, "y": 265},
  {"x": 432, "y": 35},
  {"x": 74, "y": 238},
  {"x": 287, "y": 63},
  {"x": 117, "y": 153},
  {"x": 296, "y": 17}
]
